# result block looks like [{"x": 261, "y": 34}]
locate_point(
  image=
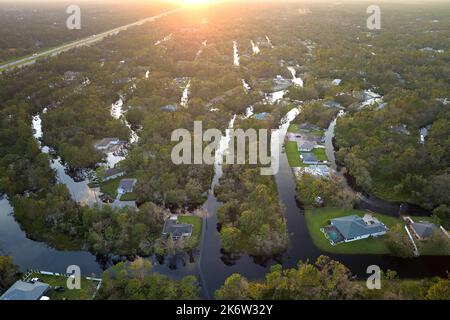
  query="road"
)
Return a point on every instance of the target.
[{"x": 25, "y": 61}]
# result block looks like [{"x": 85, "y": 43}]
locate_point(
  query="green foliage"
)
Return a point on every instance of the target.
[
  {"x": 317, "y": 114},
  {"x": 329, "y": 280},
  {"x": 399, "y": 243},
  {"x": 137, "y": 281},
  {"x": 9, "y": 273},
  {"x": 330, "y": 191},
  {"x": 251, "y": 216}
]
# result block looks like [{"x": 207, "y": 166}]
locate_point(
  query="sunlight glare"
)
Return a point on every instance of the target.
[{"x": 194, "y": 2}]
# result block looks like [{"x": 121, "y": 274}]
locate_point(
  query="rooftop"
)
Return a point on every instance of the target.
[
  {"x": 424, "y": 229},
  {"x": 175, "y": 229},
  {"x": 353, "y": 226},
  {"x": 309, "y": 157},
  {"x": 127, "y": 185},
  {"x": 22, "y": 290}
]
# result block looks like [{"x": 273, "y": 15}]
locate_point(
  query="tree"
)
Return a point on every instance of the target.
[
  {"x": 437, "y": 243},
  {"x": 9, "y": 273},
  {"x": 234, "y": 288},
  {"x": 137, "y": 281},
  {"x": 440, "y": 290},
  {"x": 398, "y": 242}
]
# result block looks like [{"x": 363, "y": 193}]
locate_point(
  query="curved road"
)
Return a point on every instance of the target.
[{"x": 79, "y": 43}]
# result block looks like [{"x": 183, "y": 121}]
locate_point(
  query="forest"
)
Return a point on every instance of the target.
[
  {"x": 27, "y": 28},
  {"x": 326, "y": 279}
]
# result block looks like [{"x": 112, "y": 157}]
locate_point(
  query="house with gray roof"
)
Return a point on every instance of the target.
[
  {"x": 126, "y": 186},
  {"x": 106, "y": 143},
  {"x": 306, "y": 146},
  {"x": 423, "y": 229},
  {"x": 22, "y": 290},
  {"x": 113, "y": 173},
  {"x": 309, "y": 158},
  {"x": 177, "y": 230},
  {"x": 352, "y": 228}
]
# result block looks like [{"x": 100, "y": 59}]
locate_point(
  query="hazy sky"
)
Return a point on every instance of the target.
[{"x": 150, "y": 1}]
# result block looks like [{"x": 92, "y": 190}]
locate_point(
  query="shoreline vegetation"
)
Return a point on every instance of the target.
[{"x": 311, "y": 281}]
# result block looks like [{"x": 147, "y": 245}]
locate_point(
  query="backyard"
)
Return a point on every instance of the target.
[
  {"x": 110, "y": 188},
  {"x": 197, "y": 223},
  {"x": 87, "y": 291},
  {"x": 293, "y": 155}
]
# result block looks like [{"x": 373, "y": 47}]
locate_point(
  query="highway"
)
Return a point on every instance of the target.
[{"x": 25, "y": 61}]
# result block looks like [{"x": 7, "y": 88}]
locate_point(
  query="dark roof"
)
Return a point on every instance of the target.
[
  {"x": 113, "y": 172},
  {"x": 424, "y": 229},
  {"x": 176, "y": 229},
  {"x": 309, "y": 157},
  {"x": 307, "y": 145},
  {"x": 25, "y": 291},
  {"x": 170, "y": 108},
  {"x": 261, "y": 116},
  {"x": 353, "y": 226},
  {"x": 127, "y": 184}
]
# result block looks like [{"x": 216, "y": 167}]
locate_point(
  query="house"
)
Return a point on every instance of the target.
[
  {"x": 423, "y": 229},
  {"x": 126, "y": 186},
  {"x": 170, "y": 108},
  {"x": 106, "y": 143},
  {"x": 306, "y": 146},
  {"x": 281, "y": 83},
  {"x": 306, "y": 127},
  {"x": 352, "y": 228},
  {"x": 336, "y": 82},
  {"x": 332, "y": 104},
  {"x": 261, "y": 116},
  {"x": 22, "y": 290},
  {"x": 309, "y": 158},
  {"x": 111, "y": 174},
  {"x": 318, "y": 170},
  {"x": 177, "y": 230}
]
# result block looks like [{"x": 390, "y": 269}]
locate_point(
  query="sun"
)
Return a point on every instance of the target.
[{"x": 192, "y": 2}]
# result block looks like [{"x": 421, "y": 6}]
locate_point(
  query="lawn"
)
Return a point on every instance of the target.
[
  {"x": 87, "y": 291},
  {"x": 316, "y": 219},
  {"x": 110, "y": 187},
  {"x": 293, "y": 128},
  {"x": 293, "y": 155},
  {"x": 317, "y": 132},
  {"x": 320, "y": 154},
  {"x": 131, "y": 196},
  {"x": 197, "y": 223}
]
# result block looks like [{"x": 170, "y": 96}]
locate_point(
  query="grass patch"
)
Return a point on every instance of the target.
[
  {"x": 293, "y": 155},
  {"x": 320, "y": 154},
  {"x": 87, "y": 291},
  {"x": 316, "y": 219},
  {"x": 317, "y": 132},
  {"x": 131, "y": 196},
  {"x": 293, "y": 128},
  {"x": 110, "y": 187},
  {"x": 197, "y": 223}
]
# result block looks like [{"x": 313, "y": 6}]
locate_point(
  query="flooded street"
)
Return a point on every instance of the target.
[{"x": 235, "y": 54}]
